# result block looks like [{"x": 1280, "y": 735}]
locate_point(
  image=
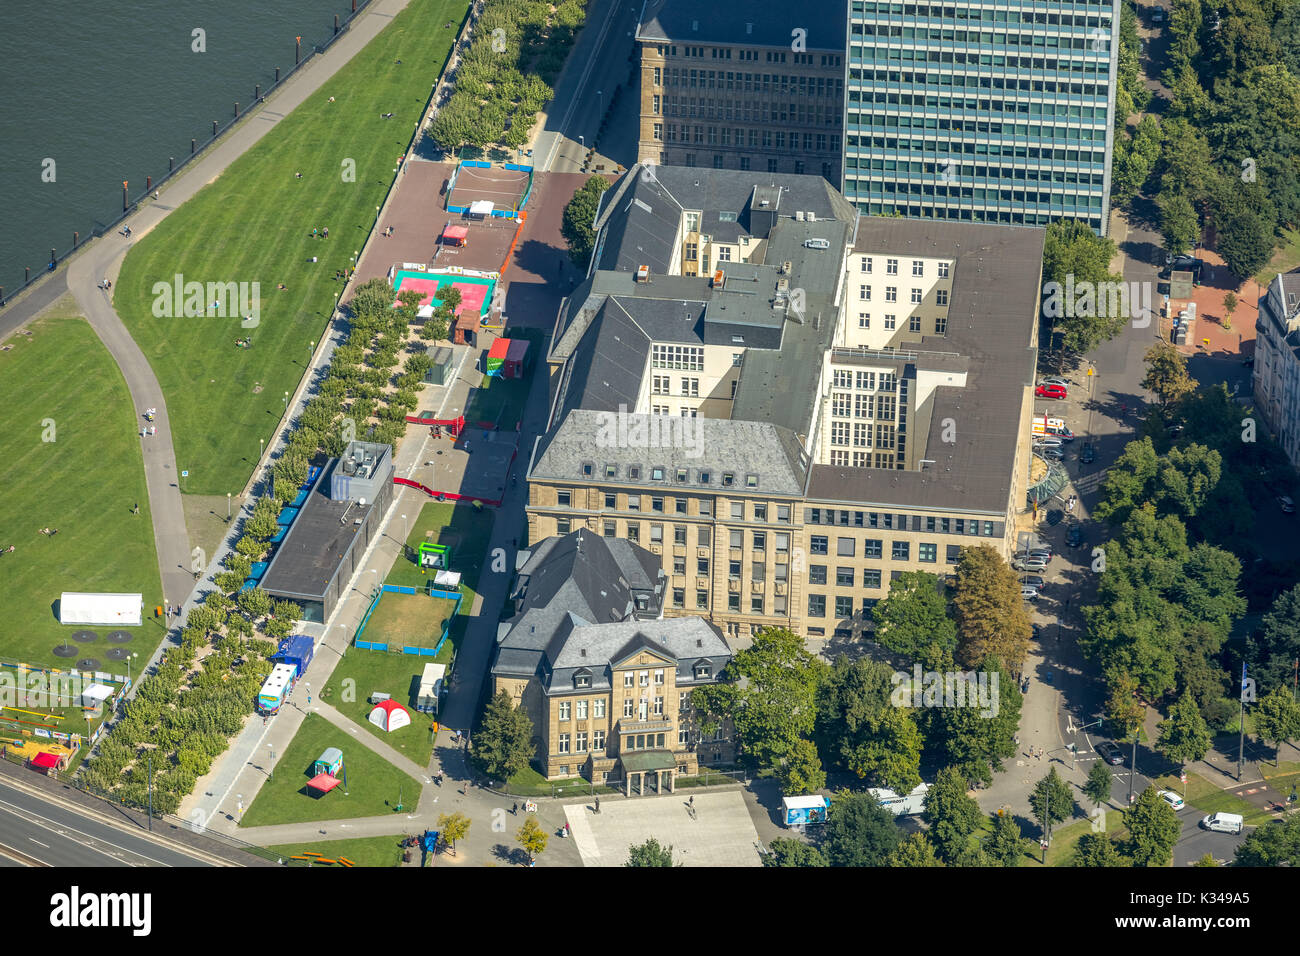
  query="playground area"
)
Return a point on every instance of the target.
[
  {"x": 475, "y": 291},
  {"x": 408, "y": 621},
  {"x": 482, "y": 189}
]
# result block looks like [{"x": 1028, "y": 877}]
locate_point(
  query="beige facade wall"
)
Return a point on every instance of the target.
[
  {"x": 766, "y": 581},
  {"x": 741, "y": 107}
]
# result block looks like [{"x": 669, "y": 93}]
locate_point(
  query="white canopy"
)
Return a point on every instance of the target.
[
  {"x": 481, "y": 207},
  {"x": 95, "y": 694},
  {"x": 121, "y": 610},
  {"x": 447, "y": 579}
]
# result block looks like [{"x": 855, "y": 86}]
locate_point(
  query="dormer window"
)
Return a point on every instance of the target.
[
  {"x": 634, "y": 472},
  {"x": 704, "y": 477},
  {"x": 582, "y": 680},
  {"x": 727, "y": 479},
  {"x": 751, "y": 481},
  {"x": 588, "y": 469},
  {"x": 656, "y": 474},
  {"x": 703, "y": 671},
  {"x": 611, "y": 471}
]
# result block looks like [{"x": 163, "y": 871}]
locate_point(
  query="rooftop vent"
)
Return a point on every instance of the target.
[
  {"x": 798, "y": 215},
  {"x": 717, "y": 279},
  {"x": 582, "y": 652},
  {"x": 642, "y": 273},
  {"x": 699, "y": 642}
]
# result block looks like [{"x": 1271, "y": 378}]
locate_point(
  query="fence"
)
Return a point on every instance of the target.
[
  {"x": 131, "y": 206},
  {"x": 432, "y": 591}
]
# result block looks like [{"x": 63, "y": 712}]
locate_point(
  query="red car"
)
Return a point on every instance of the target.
[{"x": 1051, "y": 391}]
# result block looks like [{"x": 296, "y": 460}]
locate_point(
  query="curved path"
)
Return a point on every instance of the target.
[{"x": 103, "y": 258}]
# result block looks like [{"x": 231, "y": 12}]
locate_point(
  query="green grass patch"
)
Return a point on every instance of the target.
[
  {"x": 362, "y": 673},
  {"x": 530, "y": 783},
  {"x": 465, "y": 529},
  {"x": 254, "y": 224},
  {"x": 1209, "y": 798},
  {"x": 1285, "y": 257},
  {"x": 366, "y": 851},
  {"x": 498, "y": 401},
  {"x": 409, "y": 620},
  {"x": 372, "y": 789},
  {"x": 70, "y": 459}
]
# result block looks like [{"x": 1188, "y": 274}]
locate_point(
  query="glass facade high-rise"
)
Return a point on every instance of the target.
[{"x": 998, "y": 111}]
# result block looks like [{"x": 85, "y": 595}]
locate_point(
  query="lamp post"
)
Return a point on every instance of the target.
[
  {"x": 601, "y": 105},
  {"x": 405, "y": 532},
  {"x": 270, "y": 769},
  {"x": 227, "y": 507},
  {"x": 261, "y": 445},
  {"x": 311, "y": 351},
  {"x": 286, "y": 401}
]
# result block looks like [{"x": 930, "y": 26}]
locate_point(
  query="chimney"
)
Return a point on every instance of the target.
[{"x": 642, "y": 273}]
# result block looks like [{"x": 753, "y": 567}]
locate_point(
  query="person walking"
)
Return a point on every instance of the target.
[
  {"x": 514, "y": 810},
  {"x": 598, "y": 804}
]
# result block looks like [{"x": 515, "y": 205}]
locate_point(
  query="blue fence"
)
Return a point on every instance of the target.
[{"x": 432, "y": 591}]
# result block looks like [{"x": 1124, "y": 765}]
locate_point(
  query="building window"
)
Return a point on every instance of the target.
[
  {"x": 940, "y": 296},
  {"x": 901, "y": 551},
  {"x": 628, "y": 704},
  {"x": 580, "y": 707},
  {"x": 943, "y": 270},
  {"x": 628, "y": 679},
  {"x": 872, "y": 548},
  {"x": 701, "y": 599},
  {"x": 564, "y": 710},
  {"x": 562, "y": 526},
  {"x": 580, "y": 742},
  {"x": 843, "y": 605},
  {"x": 562, "y": 744},
  {"x": 644, "y": 678},
  {"x": 816, "y": 605},
  {"x": 598, "y": 708},
  {"x": 871, "y": 577},
  {"x": 816, "y": 574},
  {"x": 891, "y": 267},
  {"x": 844, "y": 547},
  {"x": 844, "y": 577},
  {"x": 891, "y": 293},
  {"x": 598, "y": 740},
  {"x": 914, "y": 323},
  {"x": 918, "y": 267},
  {"x": 928, "y": 553},
  {"x": 817, "y": 544}
]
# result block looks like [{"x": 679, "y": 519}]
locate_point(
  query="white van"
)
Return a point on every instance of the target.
[{"x": 1223, "y": 822}]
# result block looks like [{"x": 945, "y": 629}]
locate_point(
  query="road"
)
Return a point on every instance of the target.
[
  {"x": 36, "y": 831},
  {"x": 598, "y": 63}
]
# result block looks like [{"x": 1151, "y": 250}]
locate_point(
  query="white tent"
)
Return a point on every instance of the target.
[
  {"x": 481, "y": 207},
  {"x": 447, "y": 579},
  {"x": 390, "y": 715},
  {"x": 120, "y": 610},
  {"x": 95, "y": 694}
]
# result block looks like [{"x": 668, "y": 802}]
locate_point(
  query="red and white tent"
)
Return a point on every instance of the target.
[
  {"x": 389, "y": 715},
  {"x": 323, "y": 783}
]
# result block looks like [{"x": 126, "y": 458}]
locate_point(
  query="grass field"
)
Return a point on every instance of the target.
[
  {"x": 61, "y": 384},
  {"x": 254, "y": 224},
  {"x": 362, "y": 673},
  {"x": 466, "y": 530},
  {"x": 367, "y": 851},
  {"x": 1285, "y": 258},
  {"x": 372, "y": 789},
  {"x": 408, "y": 620}
]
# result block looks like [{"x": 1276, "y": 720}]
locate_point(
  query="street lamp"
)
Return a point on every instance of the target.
[
  {"x": 311, "y": 351},
  {"x": 261, "y": 444},
  {"x": 601, "y": 104},
  {"x": 405, "y": 533},
  {"x": 286, "y": 401},
  {"x": 227, "y": 507},
  {"x": 582, "y": 141},
  {"x": 270, "y": 769}
]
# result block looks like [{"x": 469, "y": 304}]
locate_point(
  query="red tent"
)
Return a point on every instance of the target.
[
  {"x": 323, "y": 782},
  {"x": 455, "y": 235},
  {"x": 46, "y": 761}
]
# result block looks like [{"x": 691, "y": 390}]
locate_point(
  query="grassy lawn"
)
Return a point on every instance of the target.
[
  {"x": 60, "y": 383},
  {"x": 254, "y": 224},
  {"x": 367, "y": 851},
  {"x": 463, "y": 528},
  {"x": 499, "y": 401},
  {"x": 372, "y": 788},
  {"x": 362, "y": 673},
  {"x": 1208, "y": 798},
  {"x": 1285, "y": 258},
  {"x": 409, "y": 620}
]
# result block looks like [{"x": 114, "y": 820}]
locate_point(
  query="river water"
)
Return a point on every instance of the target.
[{"x": 94, "y": 92}]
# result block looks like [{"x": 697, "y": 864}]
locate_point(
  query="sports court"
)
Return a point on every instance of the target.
[
  {"x": 719, "y": 833},
  {"x": 408, "y": 620},
  {"x": 505, "y": 189},
  {"x": 475, "y": 292}
]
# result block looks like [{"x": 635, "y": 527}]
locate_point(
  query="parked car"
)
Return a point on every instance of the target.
[
  {"x": 1172, "y": 798},
  {"x": 1029, "y": 594},
  {"x": 1052, "y": 442},
  {"x": 1223, "y": 822},
  {"x": 1054, "y": 381},
  {"x": 1052, "y": 454},
  {"x": 1034, "y": 581},
  {"x": 1108, "y": 752},
  {"x": 1074, "y": 537},
  {"x": 1029, "y": 564},
  {"x": 1157, "y": 14},
  {"x": 1037, "y": 631},
  {"x": 1184, "y": 264},
  {"x": 1038, "y": 550},
  {"x": 1051, "y": 391},
  {"x": 1087, "y": 454},
  {"x": 1286, "y": 504}
]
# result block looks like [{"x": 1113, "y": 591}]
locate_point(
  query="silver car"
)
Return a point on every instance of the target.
[{"x": 1030, "y": 564}]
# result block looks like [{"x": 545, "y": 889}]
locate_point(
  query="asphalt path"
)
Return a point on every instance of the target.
[{"x": 37, "y": 831}]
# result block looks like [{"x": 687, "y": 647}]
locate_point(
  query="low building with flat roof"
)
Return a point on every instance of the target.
[{"x": 320, "y": 552}]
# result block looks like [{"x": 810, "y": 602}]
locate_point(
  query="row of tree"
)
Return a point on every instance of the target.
[{"x": 504, "y": 78}]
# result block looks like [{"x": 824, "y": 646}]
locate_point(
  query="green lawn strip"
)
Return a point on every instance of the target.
[
  {"x": 1285, "y": 258},
  {"x": 529, "y": 783},
  {"x": 1066, "y": 836},
  {"x": 61, "y": 384},
  {"x": 467, "y": 529},
  {"x": 365, "y": 851},
  {"x": 372, "y": 789},
  {"x": 254, "y": 224},
  {"x": 362, "y": 673},
  {"x": 1209, "y": 798}
]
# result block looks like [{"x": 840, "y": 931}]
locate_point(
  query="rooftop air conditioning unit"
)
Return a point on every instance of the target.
[
  {"x": 642, "y": 273},
  {"x": 798, "y": 215}
]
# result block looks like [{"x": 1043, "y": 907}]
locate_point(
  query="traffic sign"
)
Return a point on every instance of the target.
[{"x": 185, "y": 474}]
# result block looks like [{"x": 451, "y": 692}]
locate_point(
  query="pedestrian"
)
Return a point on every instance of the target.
[
  {"x": 325, "y": 233},
  {"x": 153, "y": 430},
  {"x": 598, "y": 804},
  {"x": 514, "y": 810},
  {"x": 691, "y": 801}
]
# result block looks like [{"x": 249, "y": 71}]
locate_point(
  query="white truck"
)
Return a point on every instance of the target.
[{"x": 900, "y": 806}]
